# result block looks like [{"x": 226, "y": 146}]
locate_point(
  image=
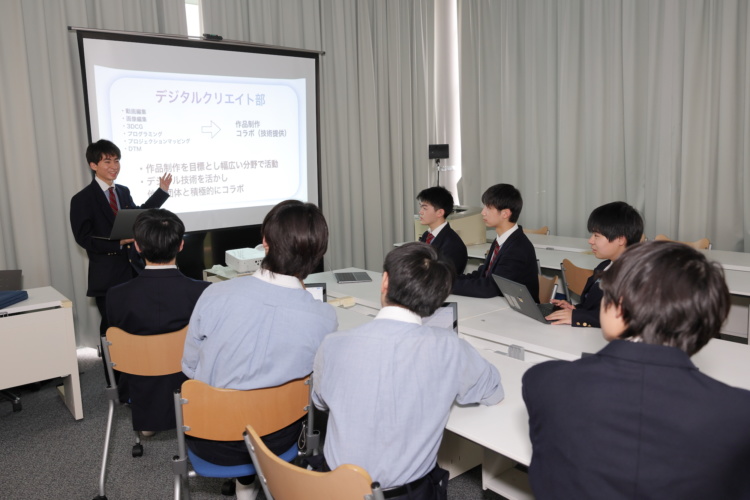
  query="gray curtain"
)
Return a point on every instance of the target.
[
  {"x": 43, "y": 135},
  {"x": 376, "y": 111},
  {"x": 580, "y": 103}
]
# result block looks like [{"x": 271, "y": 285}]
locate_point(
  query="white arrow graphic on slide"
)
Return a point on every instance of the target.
[{"x": 212, "y": 129}]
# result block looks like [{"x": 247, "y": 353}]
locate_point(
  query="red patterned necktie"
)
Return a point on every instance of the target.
[
  {"x": 112, "y": 200},
  {"x": 492, "y": 260},
  {"x": 429, "y": 239}
]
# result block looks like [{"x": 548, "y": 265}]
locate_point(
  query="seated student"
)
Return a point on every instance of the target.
[
  {"x": 389, "y": 384},
  {"x": 613, "y": 227},
  {"x": 262, "y": 330},
  {"x": 638, "y": 419},
  {"x": 159, "y": 300},
  {"x": 435, "y": 205},
  {"x": 511, "y": 254}
]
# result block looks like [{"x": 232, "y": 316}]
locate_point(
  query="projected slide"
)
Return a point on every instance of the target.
[{"x": 228, "y": 142}]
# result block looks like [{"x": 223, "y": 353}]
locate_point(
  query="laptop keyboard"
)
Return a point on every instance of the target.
[{"x": 546, "y": 308}]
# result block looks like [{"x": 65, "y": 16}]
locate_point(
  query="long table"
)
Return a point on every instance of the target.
[{"x": 38, "y": 342}]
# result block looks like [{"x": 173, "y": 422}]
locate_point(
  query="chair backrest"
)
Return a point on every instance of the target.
[
  {"x": 541, "y": 230},
  {"x": 285, "y": 481},
  {"x": 149, "y": 355},
  {"x": 222, "y": 414},
  {"x": 701, "y": 244},
  {"x": 547, "y": 287},
  {"x": 574, "y": 277}
]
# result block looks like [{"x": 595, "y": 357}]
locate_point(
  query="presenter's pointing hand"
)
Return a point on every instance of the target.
[{"x": 164, "y": 182}]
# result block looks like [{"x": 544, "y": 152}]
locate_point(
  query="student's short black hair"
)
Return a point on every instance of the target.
[
  {"x": 297, "y": 238},
  {"x": 158, "y": 233},
  {"x": 670, "y": 294},
  {"x": 502, "y": 196},
  {"x": 417, "y": 279},
  {"x": 617, "y": 219},
  {"x": 438, "y": 197},
  {"x": 98, "y": 150}
]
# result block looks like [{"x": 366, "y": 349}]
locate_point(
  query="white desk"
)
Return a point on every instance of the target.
[{"x": 38, "y": 342}]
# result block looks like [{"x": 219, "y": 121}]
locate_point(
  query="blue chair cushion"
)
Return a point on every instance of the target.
[{"x": 208, "y": 469}]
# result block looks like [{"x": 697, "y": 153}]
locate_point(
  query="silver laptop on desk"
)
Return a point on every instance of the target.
[{"x": 520, "y": 300}]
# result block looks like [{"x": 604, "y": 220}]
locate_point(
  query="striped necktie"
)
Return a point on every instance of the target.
[
  {"x": 429, "y": 239},
  {"x": 488, "y": 271},
  {"x": 112, "y": 200}
]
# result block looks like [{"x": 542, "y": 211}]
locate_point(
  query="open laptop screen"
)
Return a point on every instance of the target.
[{"x": 446, "y": 316}]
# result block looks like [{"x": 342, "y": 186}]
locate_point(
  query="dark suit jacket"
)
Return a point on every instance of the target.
[
  {"x": 450, "y": 246},
  {"x": 156, "y": 301},
  {"x": 636, "y": 421},
  {"x": 516, "y": 261},
  {"x": 91, "y": 215},
  {"x": 587, "y": 312}
]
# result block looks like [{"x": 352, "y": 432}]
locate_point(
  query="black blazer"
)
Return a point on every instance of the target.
[
  {"x": 516, "y": 261},
  {"x": 586, "y": 313},
  {"x": 156, "y": 301},
  {"x": 636, "y": 421},
  {"x": 450, "y": 246},
  {"x": 91, "y": 215}
]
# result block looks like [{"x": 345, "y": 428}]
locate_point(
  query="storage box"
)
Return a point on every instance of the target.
[{"x": 244, "y": 260}]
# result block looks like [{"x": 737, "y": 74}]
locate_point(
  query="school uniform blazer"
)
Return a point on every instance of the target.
[
  {"x": 515, "y": 261},
  {"x": 586, "y": 313},
  {"x": 635, "y": 421},
  {"x": 157, "y": 301},
  {"x": 450, "y": 245},
  {"x": 91, "y": 215}
]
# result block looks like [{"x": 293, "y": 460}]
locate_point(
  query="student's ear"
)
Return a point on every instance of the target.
[
  {"x": 265, "y": 245},
  {"x": 92, "y": 166},
  {"x": 182, "y": 244},
  {"x": 138, "y": 249},
  {"x": 440, "y": 213},
  {"x": 506, "y": 213},
  {"x": 620, "y": 240},
  {"x": 384, "y": 289}
]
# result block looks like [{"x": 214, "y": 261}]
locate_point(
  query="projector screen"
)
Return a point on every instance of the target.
[{"x": 236, "y": 125}]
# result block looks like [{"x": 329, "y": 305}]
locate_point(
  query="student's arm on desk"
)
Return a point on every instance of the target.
[{"x": 480, "y": 380}]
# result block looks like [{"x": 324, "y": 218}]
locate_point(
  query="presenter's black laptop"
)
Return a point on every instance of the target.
[
  {"x": 445, "y": 316},
  {"x": 122, "y": 229},
  {"x": 352, "y": 277},
  {"x": 519, "y": 299}
]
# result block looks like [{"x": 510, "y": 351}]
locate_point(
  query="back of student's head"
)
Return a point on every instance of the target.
[
  {"x": 617, "y": 219},
  {"x": 100, "y": 149},
  {"x": 158, "y": 233},
  {"x": 502, "y": 196},
  {"x": 417, "y": 279},
  {"x": 438, "y": 197},
  {"x": 297, "y": 237},
  {"x": 670, "y": 294}
]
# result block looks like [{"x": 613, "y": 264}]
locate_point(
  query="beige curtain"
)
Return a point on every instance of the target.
[
  {"x": 43, "y": 135},
  {"x": 376, "y": 111},
  {"x": 580, "y": 103}
]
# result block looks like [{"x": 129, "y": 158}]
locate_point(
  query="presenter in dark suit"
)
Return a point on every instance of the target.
[
  {"x": 511, "y": 254},
  {"x": 613, "y": 227},
  {"x": 159, "y": 300},
  {"x": 435, "y": 205},
  {"x": 638, "y": 419},
  {"x": 92, "y": 214}
]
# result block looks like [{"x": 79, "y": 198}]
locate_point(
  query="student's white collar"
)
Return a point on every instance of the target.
[
  {"x": 399, "y": 314},
  {"x": 103, "y": 184},
  {"x": 438, "y": 229},
  {"x": 277, "y": 279},
  {"x": 502, "y": 238}
]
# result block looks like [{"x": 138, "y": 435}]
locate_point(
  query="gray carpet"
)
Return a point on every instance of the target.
[{"x": 46, "y": 454}]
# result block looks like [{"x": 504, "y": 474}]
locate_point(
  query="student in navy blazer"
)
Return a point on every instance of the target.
[
  {"x": 435, "y": 205},
  {"x": 159, "y": 300},
  {"x": 613, "y": 227},
  {"x": 515, "y": 259},
  {"x": 638, "y": 419},
  {"x": 91, "y": 214}
]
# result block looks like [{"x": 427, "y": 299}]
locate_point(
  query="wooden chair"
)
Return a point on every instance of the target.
[
  {"x": 541, "y": 230},
  {"x": 283, "y": 481},
  {"x": 701, "y": 244},
  {"x": 574, "y": 278},
  {"x": 547, "y": 288},
  {"x": 217, "y": 414},
  {"x": 149, "y": 355}
]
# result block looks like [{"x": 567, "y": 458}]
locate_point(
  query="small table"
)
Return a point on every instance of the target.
[{"x": 38, "y": 340}]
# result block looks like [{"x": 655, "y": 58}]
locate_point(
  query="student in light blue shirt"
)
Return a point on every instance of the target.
[{"x": 389, "y": 385}]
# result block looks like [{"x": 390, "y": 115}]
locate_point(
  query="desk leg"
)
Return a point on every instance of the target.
[
  {"x": 71, "y": 393},
  {"x": 500, "y": 475},
  {"x": 457, "y": 454}
]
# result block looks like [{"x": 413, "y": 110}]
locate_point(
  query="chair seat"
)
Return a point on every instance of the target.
[{"x": 208, "y": 469}]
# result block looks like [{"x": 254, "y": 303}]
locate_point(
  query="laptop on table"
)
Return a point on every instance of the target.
[{"x": 520, "y": 300}]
